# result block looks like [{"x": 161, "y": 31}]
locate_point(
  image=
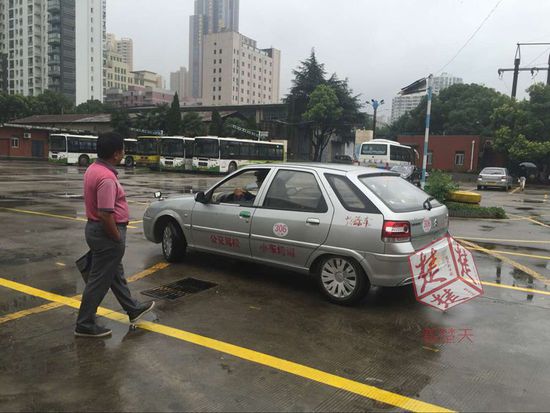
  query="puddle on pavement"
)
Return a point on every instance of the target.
[
  {"x": 525, "y": 208},
  {"x": 486, "y": 228}
]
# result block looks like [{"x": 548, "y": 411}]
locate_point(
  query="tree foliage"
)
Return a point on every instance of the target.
[
  {"x": 324, "y": 111},
  {"x": 92, "y": 107},
  {"x": 216, "y": 126},
  {"x": 192, "y": 125},
  {"x": 120, "y": 122},
  {"x": 307, "y": 78},
  {"x": 173, "y": 118},
  {"x": 48, "y": 103}
]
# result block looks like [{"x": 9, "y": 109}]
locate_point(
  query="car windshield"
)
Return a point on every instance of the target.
[
  {"x": 492, "y": 171},
  {"x": 58, "y": 143},
  {"x": 207, "y": 148},
  {"x": 398, "y": 194}
]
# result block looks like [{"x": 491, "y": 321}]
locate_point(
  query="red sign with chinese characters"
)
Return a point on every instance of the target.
[{"x": 444, "y": 274}]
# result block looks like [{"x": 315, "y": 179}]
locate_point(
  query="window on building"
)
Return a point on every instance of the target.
[
  {"x": 459, "y": 158},
  {"x": 430, "y": 157},
  {"x": 15, "y": 142}
]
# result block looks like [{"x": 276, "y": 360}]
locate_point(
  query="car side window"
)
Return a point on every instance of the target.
[
  {"x": 241, "y": 189},
  {"x": 295, "y": 191},
  {"x": 351, "y": 197}
]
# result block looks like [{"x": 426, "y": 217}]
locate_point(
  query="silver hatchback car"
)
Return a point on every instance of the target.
[{"x": 349, "y": 226}]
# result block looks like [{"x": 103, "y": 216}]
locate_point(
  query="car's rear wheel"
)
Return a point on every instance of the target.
[
  {"x": 173, "y": 243},
  {"x": 479, "y": 187},
  {"x": 342, "y": 280}
]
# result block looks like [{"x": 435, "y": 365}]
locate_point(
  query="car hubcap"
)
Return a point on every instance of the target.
[
  {"x": 167, "y": 240},
  {"x": 339, "y": 277}
]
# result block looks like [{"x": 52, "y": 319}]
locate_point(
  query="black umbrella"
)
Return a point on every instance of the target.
[{"x": 528, "y": 165}]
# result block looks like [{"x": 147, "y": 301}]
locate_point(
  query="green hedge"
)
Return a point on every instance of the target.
[{"x": 459, "y": 210}]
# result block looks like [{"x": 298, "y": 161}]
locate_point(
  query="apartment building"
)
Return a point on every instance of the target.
[
  {"x": 179, "y": 82},
  {"x": 236, "y": 71}
]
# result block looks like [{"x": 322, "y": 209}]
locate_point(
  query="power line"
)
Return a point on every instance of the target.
[
  {"x": 471, "y": 37},
  {"x": 544, "y": 52}
]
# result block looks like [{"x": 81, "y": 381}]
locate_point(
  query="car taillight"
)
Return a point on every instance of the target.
[{"x": 396, "y": 231}]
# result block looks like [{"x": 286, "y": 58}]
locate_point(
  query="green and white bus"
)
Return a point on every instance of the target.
[
  {"x": 73, "y": 149},
  {"x": 226, "y": 155},
  {"x": 176, "y": 152}
]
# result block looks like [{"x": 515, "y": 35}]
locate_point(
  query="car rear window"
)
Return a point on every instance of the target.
[
  {"x": 398, "y": 194},
  {"x": 492, "y": 171},
  {"x": 351, "y": 197}
]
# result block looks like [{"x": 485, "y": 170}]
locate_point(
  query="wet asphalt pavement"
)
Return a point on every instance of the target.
[{"x": 490, "y": 354}]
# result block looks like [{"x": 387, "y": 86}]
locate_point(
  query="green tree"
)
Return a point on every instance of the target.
[
  {"x": 192, "y": 125},
  {"x": 351, "y": 114},
  {"x": 231, "y": 132},
  {"x": 51, "y": 103},
  {"x": 153, "y": 120},
  {"x": 460, "y": 109},
  {"x": 173, "y": 117},
  {"x": 120, "y": 122},
  {"x": 92, "y": 107},
  {"x": 13, "y": 107},
  {"x": 216, "y": 126},
  {"x": 325, "y": 113}
]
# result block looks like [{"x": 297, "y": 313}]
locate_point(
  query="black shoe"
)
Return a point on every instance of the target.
[
  {"x": 95, "y": 332},
  {"x": 144, "y": 310}
]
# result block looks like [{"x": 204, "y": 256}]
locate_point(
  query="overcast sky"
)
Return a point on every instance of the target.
[{"x": 380, "y": 46}]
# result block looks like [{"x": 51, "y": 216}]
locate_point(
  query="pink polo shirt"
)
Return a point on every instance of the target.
[{"x": 103, "y": 192}]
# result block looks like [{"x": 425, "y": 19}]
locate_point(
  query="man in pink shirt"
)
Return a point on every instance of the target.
[{"x": 107, "y": 212}]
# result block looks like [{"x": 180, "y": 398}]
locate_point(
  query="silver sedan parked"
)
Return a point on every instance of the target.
[
  {"x": 494, "y": 177},
  {"x": 349, "y": 226}
]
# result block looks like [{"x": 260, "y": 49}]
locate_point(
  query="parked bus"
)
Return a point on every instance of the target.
[
  {"x": 176, "y": 152},
  {"x": 148, "y": 151},
  {"x": 382, "y": 153},
  {"x": 225, "y": 155},
  {"x": 73, "y": 149},
  {"x": 130, "y": 152}
]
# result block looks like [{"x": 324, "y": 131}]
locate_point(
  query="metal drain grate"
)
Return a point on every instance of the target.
[{"x": 178, "y": 289}]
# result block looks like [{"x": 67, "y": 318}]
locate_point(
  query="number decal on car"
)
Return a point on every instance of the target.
[{"x": 281, "y": 230}]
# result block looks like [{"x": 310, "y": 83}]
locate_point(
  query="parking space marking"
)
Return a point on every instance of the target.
[
  {"x": 51, "y": 306},
  {"x": 516, "y": 254},
  {"x": 515, "y": 190},
  {"x": 511, "y": 287},
  {"x": 515, "y": 241},
  {"x": 45, "y": 214},
  {"x": 296, "y": 369},
  {"x": 135, "y": 222},
  {"x": 508, "y": 261}
]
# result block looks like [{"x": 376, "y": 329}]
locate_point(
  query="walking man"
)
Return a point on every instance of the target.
[{"x": 108, "y": 216}]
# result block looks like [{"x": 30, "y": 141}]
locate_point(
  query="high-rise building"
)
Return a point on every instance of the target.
[
  {"x": 124, "y": 46},
  {"x": 406, "y": 103},
  {"x": 90, "y": 16},
  {"x": 211, "y": 16},
  {"x": 62, "y": 47},
  {"x": 179, "y": 82},
  {"x": 24, "y": 44},
  {"x": 236, "y": 71}
]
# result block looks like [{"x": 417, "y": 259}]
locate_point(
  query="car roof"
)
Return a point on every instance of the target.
[{"x": 326, "y": 167}]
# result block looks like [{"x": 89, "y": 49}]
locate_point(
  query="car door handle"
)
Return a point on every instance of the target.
[
  {"x": 244, "y": 214},
  {"x": 313, "y": 221}
]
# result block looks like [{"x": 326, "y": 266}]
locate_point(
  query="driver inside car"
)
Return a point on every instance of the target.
[{"x": 241, "y": 195}]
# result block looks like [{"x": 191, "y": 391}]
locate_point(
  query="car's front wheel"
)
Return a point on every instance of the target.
[
  {"x": 342, "y": 280},
  {"x": 173, "y": 243}
]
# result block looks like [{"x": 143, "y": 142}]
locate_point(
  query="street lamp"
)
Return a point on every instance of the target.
[{"x": 375, "y": 103}]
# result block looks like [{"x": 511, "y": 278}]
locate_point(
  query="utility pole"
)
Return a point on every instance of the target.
[
  {"x": 429, "y": 85},
  {"x": 516, "y": 69},
  {"x": 375, "y": 104}
]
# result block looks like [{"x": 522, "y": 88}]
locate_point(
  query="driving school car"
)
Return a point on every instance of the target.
[{"x": 351, "y": 227}]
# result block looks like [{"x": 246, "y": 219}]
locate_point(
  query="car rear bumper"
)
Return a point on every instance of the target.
[
  {"x": 493, "y": 184},
  {"x": 386, "y": 270}
]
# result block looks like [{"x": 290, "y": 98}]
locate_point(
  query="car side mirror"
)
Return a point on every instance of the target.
[{"x": 201, "y": 197}]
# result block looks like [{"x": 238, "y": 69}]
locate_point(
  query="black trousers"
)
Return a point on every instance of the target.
[{"x": 106, "y": 272}]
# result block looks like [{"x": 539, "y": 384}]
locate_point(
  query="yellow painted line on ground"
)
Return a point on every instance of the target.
[
  {"x": 516, "y": 254},
  {"x": 60, "y": 264},
  {"x": 51, "y": 306},
  {"x": 45, "y": 214},
  {"x": 508, "y": 261},
  {"x": 431, "y": 349},
  {"x": 148, "y": 271},
  {"x": 534, "y": 221},
  {"x": 515, "y": 190},
  {"x": 135, "y": 222},
  {"x": 296, "y": 369},
  {"x": 511, "y": 287},
  {"x": 515, "y": 241}
]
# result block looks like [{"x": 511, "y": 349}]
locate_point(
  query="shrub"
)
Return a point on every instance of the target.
[
  {"x": 439, "y": 184},
  {"x": 460, "y": 210}
]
